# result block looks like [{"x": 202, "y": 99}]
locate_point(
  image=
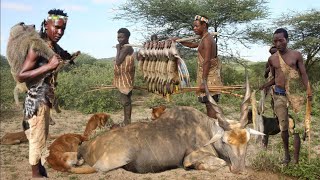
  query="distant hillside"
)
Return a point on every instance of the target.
[
  {"x": 106, "y": 59},
  {"x": 3, "y": 61}
]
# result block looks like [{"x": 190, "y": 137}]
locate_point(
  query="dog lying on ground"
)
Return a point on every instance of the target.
[
  {"x": 20, "y": 137},
  {"x": 17, "y": 138},
  {"x": 157, "y": 111},
  {"x": 63, "y": 151},
  {"x": 63, "y": 155},
  {"x": 98, "y": 120},
  {"x": 271, "y": 126},
  {"x": 14, "y": 138}
]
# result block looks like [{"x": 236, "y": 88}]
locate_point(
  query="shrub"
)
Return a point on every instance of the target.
[
  {"x": 7, "y": 85},
  {"x": 270, "y": 161},
  {"x": 74, "y": 88}
]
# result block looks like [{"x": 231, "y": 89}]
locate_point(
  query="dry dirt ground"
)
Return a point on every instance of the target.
[{"x": 14, "y": 158}]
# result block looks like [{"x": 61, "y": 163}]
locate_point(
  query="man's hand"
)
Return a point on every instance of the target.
[
  {"x": 54, "y": 61},
  {"x": 261, "y": 87},
  {"x": 174, "y": 38},
  {"x": 202, "y": 88}
]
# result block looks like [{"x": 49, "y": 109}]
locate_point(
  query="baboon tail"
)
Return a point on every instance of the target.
[{"x": 83, "y": 170}]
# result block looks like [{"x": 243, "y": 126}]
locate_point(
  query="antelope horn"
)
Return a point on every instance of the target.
[
  {"x": 219, "y": 113},
  {"x": 245, "y": 103},
  {"x": 255, "y": 132}
]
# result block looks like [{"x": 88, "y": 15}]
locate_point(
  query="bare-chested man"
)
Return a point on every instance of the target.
[
  {"x": 208, "y": 63},
  {"x": 287, "y": 67}
]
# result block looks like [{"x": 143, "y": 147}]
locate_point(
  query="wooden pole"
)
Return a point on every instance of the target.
[
  {"x": 221, "y": 89},
  {"x": 178, "y": 40},
  {"x": 194, "y": 37}
]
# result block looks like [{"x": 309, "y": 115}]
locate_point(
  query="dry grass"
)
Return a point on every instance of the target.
[{"x": 14, "y": 158}]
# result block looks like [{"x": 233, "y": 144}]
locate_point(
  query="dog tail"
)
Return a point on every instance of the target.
[{"x": 83, "y": 170}]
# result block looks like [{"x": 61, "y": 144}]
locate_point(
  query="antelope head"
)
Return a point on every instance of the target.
[{"x": 232, "y": 138}]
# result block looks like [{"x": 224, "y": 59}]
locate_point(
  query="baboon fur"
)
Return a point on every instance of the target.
[{"x": 23, "y": 38}]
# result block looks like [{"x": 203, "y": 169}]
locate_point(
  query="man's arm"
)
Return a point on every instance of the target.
[
  {"x": 122, "y": 52},
  {"x": 303, "y": 73},
  {"x": 186, "y": 43},
  {"x": 268, "y": 84},
  {"x": 28, "y": 72},
  {"x": 190, "y": 44},
  {"x": 267, "y": 70},
  {"x": 207, "y": 46},
  {"x": 272, "y": 81}
]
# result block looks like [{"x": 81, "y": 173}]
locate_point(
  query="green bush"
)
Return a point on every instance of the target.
[
  {"x": 270, "y": 161},
  {"x": 75, "y": 81},
  {"x": 230, "y": 76},
  {"x": 7, "y": 85},
  {"x": 74, "y": 87}
]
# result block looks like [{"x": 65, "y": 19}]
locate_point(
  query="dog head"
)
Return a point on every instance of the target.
[
  {"x": 98, "y": 120},
  {"x": 157, "y": 111},
  {"x": 103, "y": 119}
]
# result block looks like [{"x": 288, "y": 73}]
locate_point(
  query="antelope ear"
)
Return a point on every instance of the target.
[
  {"x": 255, "y": 132},
  {"x": 216, "y": 136}
]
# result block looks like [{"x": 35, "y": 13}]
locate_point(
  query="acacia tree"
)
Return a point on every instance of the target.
[
  {"x": 174, "y": 17},
  {"x": 303, "y": 29}
]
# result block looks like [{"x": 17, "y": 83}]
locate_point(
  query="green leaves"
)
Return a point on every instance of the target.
[
  {"x": 74, "y": 84},
  {"x": 174, "y": 17},
  {"x": 303, "y": 29}
]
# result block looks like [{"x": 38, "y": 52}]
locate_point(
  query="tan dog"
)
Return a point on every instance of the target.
[
  {"x": 14, "y": 138},
  {"x": 63, "y": 155},
  {"x": 20, "y": 137},
  {"x": 98, "y": 120},
  {"x": 17, "y": 138},
  {"x": 157, "y": 111}
]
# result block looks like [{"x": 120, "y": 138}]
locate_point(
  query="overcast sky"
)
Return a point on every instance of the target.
[{"x": 91, "y": 29}]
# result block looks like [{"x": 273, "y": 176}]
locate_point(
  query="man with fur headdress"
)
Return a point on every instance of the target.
[
  {"x": 37, "y": 72},
  {"x": 209, "y": 66}
]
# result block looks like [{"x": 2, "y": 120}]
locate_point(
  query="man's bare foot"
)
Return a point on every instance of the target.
[
  {"x": 286, "y": 160},
  {"x": 38, "y": 171}
]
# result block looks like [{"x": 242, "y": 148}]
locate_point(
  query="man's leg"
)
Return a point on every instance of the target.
[
  {"x": 127, "y": 107},
  {"x": 285, "y": 140},
  {"x": 281, "y": 110},
  {"x": 296, "y": 145},
  {"x": 37, "y": 135}
]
